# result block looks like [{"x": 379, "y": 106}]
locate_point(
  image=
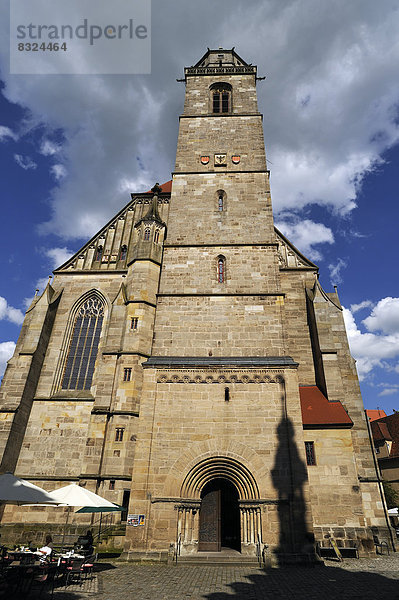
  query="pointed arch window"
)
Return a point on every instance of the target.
[
  {"x": 221, "y": 98},
  {"x": 83, "y": 347},
  {"x": 99, "y": 253},
  {"x": 123, "y": 252},
  {"x": 147, "y": 234},
  {"x": 221, "y": 269},
  {"x": 156, "y": 236}
]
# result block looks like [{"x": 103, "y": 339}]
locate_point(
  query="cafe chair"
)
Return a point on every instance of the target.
[
  {"x": 74, "y": 571},
  {"x": 43, "y": 580},
  {"x": 88, "y": 565},
  {"x": 380, "y": 545}
]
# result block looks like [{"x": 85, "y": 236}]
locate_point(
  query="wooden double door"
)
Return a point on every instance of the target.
[{"x": 219, "y": 522}]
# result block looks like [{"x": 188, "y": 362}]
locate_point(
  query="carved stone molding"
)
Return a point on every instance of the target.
[
  {"x": 226, "y": 378},
  {"x": 193, "y": 505}
]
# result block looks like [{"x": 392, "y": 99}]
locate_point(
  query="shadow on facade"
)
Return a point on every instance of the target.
[
  {"x": 289, "y": 476},
  {"x": 304, "y": 583}
]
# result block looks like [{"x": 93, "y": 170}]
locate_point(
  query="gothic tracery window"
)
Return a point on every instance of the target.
[
  {"x": 147, "y": 233},
  {"x": 82, "y": 352}
]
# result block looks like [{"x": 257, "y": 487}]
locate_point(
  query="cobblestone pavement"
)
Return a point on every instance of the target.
[{"x": 375, "y": 578}]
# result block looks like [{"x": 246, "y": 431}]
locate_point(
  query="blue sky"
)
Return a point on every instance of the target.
[{"x": 73, "y": 147}]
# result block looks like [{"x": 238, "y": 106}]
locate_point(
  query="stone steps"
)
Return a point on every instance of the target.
[{"x": 218, "y": 559}]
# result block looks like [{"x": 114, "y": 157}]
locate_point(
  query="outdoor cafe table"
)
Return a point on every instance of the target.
[
  {"x": 22, "y": 554},
  {"x": 19, "y": 574}
]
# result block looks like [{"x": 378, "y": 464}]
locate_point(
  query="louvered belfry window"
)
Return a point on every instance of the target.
[
  {"x": 83, "y": 348},
  {"x": 221, "y": 97}
]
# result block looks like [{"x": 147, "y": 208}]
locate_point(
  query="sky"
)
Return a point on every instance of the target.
[{"x": 73, "y": 147}]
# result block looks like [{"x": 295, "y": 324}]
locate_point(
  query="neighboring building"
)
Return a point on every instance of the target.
[
  {"x": 375, "y": 413},
  {"x": 385, "y": 432},
  {"x": 187, "y": 363}
]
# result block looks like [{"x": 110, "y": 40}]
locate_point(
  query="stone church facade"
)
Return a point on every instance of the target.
[{"x": 187, "y": 364}]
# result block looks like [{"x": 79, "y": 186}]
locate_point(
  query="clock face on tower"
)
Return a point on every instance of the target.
[{"x": 220, "y": 160}]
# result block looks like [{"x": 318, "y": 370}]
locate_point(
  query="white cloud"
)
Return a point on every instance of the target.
[
  {"x": 365, "y": 304},
  {"x": 6, "y": 352},
  {"x": 305, "y": 234},
  {"x": 384, "y": 316},
  {"x": 389, "y": 391},
  {"x": 57, "y": 256},
  {"x": 6, "y": 132},
  {"x": 49, "y": 148},
  {"x": 369, "y": 349},
  {"x": 9, "y": 313},
  {"x": 59, "y": 171},
  {"x": 335, "y": 271},
  {"x": 25, "y": 162}
]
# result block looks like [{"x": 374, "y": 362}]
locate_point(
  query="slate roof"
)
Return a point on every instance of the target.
[{"x": 388, "y": 426}]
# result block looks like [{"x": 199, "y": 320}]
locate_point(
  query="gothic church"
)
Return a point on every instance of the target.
[{"x": 187, "y": 364}]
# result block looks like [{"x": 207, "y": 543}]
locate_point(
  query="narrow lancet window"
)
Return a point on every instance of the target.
[
  {"x": 82, "y": 353},
  {"x": 221, "y": 269},
  {"x": 216, "y": 102},
  {"x": 123, "y": 252},
  {"x": 220, "y": 203},
  {"x": 147, "y": 233},
  {"x": 99, "y": 253}
]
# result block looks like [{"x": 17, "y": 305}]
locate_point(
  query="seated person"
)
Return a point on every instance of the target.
[
  {"x": 89, "y": 536},
  {"x": 85, "y": 544},
  {"x": 46, "y": 550}
]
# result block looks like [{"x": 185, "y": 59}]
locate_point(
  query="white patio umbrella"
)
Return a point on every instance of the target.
[
  {"x": 14, "y": 490},
  {"x": 393, "y": 511},
  {"x": 75, "y": 495}
]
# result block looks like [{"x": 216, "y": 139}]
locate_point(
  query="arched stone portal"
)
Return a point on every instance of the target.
[{"x": 220, "y": 507}]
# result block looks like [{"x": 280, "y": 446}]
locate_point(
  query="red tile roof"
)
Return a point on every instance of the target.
[
  {"x": 317, "y": 410},
  {"x": 166, "y": 187},
  {"x": 375, "y": 413}
]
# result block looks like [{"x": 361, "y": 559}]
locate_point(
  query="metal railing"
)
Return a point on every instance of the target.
[{"x": 104, "y": 523}]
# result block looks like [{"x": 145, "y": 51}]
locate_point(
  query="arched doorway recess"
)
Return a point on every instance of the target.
[
  {"x": 238, "y": 495},
  {"x": 219, "y": 519}
]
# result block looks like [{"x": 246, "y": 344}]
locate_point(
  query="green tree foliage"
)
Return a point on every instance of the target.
[{"x": 391, "y": 495}]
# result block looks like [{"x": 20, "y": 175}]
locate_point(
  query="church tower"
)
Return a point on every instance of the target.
[{"x": 191, "y": 353}]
